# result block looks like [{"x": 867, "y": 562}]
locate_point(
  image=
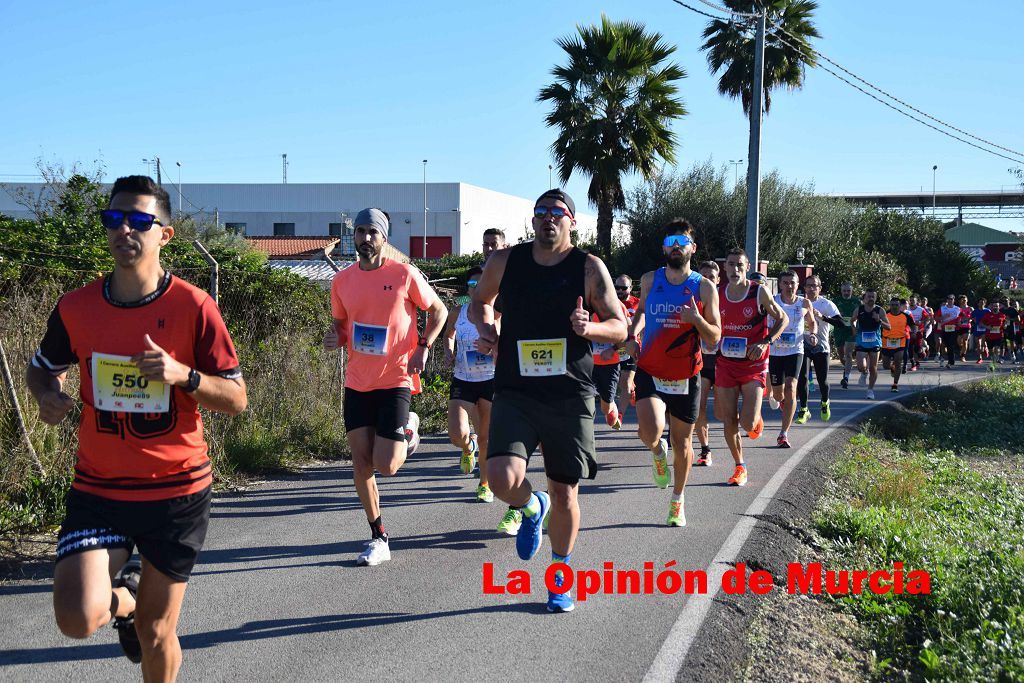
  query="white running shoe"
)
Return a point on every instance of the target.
[
  {"x": 412, "y": 434},
  {"x": 871, "y": 395},
  {"x": 863, "y": 379},
  {"x": 772, "y": 403},
  {"x": 377, "y": 551}
]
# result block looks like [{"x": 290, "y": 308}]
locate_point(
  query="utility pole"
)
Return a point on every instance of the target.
[
  {"x": 424, "y": 208},
  {"x": 159, "y": 181},
  {"x": 284, "y": 169},
  {"x": 179, "y": 187},
  {"x": 754, "y": 153}
]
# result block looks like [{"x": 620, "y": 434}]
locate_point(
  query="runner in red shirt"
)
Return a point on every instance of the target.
[
  {"x": 627, "y": 364},
  {"x": 150, "y": 350},
  {"x": 743, "y": 356},
  {"x": 994, "y": 322},
  {"x": 963, "y": 325}
]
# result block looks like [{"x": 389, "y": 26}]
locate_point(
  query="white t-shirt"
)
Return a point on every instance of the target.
[{"x": 827, "y": 310}]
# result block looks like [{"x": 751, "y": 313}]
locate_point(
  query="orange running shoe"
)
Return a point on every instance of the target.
[
  {"x": 758, "y": 428},
  {"x": 739, "y": 476}
]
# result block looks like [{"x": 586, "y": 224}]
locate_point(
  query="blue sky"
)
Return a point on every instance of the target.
[{"x": 363, "y": 92}]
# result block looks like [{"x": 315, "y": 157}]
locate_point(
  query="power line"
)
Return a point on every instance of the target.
[
  {"x": 804, "y": 54},
  {"x": 727, "y": 10},
  {"x": 896, "y": 99},
  {"x": 900, "y": 111},
  {"x": 694, "y": 9}
]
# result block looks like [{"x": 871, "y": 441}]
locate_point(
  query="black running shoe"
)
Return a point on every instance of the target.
[
  {"x": 128, "y": 578},
  {"x": 844, "y": 383}
]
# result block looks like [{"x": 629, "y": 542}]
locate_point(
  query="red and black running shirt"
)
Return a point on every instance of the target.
[{"x": 139, "y": 456}]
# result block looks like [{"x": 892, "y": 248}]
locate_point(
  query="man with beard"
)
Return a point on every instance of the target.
[
  {"x": 894, "y": 340},
  {"x": 151, "y": 349},
  {"x": 710, "y": 271},
  {"x": 678, "y": 310},
  {"x": 948, "y": 323},
  {"x": 922, "y": 324},
  {"x": 373, "y": 303},
  {"x": 744, "y": 306},
  {"x": 787, "y": 351},
  {"x": 543, "y": 390},
  {"x": 817, "y": 356},
  {"x": 868, "y": 320},
  {"x": 627, "y": 364},
  {"x": 847, "y": 303}
]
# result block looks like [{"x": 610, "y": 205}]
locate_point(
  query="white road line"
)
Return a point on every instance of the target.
[{"x": 672, "y": 654}]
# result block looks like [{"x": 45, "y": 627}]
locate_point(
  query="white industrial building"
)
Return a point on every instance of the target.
[{"x": 457, "y": 213}]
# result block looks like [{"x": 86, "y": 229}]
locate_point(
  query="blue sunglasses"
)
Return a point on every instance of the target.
[
  {"x": 140, "y": 221},
  {"x": 677, "y": 241}
]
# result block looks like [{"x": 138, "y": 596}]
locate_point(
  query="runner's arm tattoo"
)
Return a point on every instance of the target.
[{"x": 602, "y": 300}]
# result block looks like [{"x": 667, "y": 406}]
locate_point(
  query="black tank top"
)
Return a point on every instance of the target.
[
  {"x": 536, "y": 302},
  {"x": 865, "y": 319}
]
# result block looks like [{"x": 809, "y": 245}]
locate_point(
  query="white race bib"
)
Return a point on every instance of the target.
[
  {"x": 786, "y": 340},
  {"x": 949, "y": 328},
  {"x": 869, "y": 337},
  {"x": 709, "y": 350},
  {"x": 118, "y": 386},
  {"x": 734, "y": 347},
  {"x": 369, "y": 339},
  {"x": 892, "y": 343},
  {"x": 675, "y": 387},
  {"x": 478, "y": 367},
  {"x": 541, "y": 357}
]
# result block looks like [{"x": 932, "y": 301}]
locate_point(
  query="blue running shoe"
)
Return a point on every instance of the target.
[
  {"x": 530, "y": 537},
  {"x": 560, "y": 603}
]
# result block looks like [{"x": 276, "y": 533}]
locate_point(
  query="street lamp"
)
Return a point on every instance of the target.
[
  {"x": 800, "y": 253},
  {"x": 179, "y": 187},
  {"x": 549, "y": 176},
  {"x": 424, "y": 208},
  {"x": 934, "y": 168},
  {"x": 735, "y": 171}
]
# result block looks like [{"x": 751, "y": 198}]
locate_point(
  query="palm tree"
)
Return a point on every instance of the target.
[
  {"x": 730, "y": 48},
  {"x": 614, "y": 103}
]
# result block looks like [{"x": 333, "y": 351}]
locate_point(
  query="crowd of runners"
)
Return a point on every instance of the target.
[{"x": 547, "y": 339}]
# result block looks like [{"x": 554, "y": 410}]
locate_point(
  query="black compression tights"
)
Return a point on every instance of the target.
[{"x": 819, "y": 361}]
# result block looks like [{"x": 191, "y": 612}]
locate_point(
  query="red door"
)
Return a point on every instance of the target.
[{"x": 436, "y": 246}]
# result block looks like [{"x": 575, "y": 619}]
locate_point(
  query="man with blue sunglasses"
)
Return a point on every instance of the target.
[
  {"x": 678, "y": 310},
  {"x": 151, "y": 349}
]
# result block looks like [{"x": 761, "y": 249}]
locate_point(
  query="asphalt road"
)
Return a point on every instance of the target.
[{"x": 276, "y": 594}]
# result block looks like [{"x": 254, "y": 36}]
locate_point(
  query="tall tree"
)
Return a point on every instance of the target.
[
  {"x": 613, "y": 106},
  {"x": 787, "y": 53}
]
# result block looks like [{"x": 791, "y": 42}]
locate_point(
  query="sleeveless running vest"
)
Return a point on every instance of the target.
[
  {"x": 868, "y": 336},
  {"x": 743, "y": 325},
  {"x": 671, "y": 348},
  {"x": 470, "y": 365},
  {"x": 895, "y": 336},
  {"x": 791, "y": 340},
  {"x": 538, "y": 352}
]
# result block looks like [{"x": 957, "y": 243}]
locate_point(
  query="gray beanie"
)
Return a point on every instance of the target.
[{"x": 374, "y": 217}]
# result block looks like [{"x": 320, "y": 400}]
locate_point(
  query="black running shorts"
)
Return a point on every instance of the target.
[
  {"x": 680, "y": 406},
  {"x": 168, "y": 533},
  {"x": 564, "y": 428},
  {"x": 386, "y": 410},
  {"x": 606, "y": 379},
  {"x": 781, "y": 368},
  {"x": 471, "y": 392},
  {"x": 708, "y": 370}
]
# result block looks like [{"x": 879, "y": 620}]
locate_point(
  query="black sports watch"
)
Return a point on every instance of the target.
[{"x": 193, "y": 381}]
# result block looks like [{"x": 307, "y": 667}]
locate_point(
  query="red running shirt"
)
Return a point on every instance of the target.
[
  {"x": 139, "y": 456},
  {"x": 743, "y": 325}
]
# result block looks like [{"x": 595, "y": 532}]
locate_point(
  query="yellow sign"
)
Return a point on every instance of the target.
[
  {"x": 541, "y": 357},
  {"x": 118, "y": 386}
]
